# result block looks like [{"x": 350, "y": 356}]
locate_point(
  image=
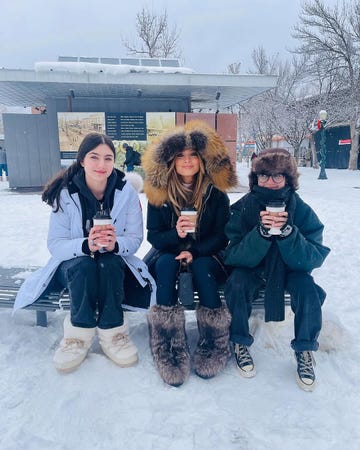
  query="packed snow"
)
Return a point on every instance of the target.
[
  {"x": 104, "y": 407},
  {"x": 110, "y": 69}
]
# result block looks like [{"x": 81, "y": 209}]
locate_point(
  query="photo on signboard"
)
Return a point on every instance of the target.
[
  {"x": 136, "y": 130},
  {"x": 73, "y": 127},
  {"x": 157, "y": 123}
]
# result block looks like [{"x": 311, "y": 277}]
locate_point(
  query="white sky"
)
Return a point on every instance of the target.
[{"x": 213, "y": 33}]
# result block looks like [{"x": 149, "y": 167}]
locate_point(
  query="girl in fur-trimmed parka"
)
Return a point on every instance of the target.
[{"x": 188, "y": 167}]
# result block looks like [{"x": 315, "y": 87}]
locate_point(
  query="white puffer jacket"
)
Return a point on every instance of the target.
[{"x": 65, "y": 239}]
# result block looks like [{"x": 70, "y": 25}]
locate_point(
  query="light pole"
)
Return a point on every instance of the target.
[{"x": 321, "y": 127}]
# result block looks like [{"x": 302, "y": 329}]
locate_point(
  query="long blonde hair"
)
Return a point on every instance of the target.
[{"x": 180, "y": 195}]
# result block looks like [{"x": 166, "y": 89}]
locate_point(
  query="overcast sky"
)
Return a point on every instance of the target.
[{"x": 214, "y": 33}]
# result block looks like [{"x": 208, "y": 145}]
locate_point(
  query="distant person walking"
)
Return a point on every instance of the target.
[
  {"x": 3, "y": 162},
  {"x": 130, "y": 157}
]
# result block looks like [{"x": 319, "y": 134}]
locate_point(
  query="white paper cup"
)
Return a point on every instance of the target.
[
  {"x": 192, "y": 216},
  {"x": 102, "y": 222},
  {"x": 274, "y": 210}
]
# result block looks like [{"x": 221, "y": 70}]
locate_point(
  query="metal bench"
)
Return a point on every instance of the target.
[
  {"x": 51, "y": 301},
  {"x": 59, "y": 300},
  {"x": 258, "y": 303}
]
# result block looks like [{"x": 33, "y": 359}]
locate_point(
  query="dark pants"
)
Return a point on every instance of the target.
[
  {"x": 96, "y": 288},
  {"x": 306, "y": 299},
  {"x": 207, "y": 273}
]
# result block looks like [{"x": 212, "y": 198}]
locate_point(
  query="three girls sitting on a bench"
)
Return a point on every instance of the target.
[{"x": 188, "y": 166}]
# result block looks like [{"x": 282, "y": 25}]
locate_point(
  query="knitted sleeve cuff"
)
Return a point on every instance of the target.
[
  {"x": 85, "y": 247},
  {"x": 264, "y": 232},
  {"x": 286, "y": 231},
  {"x": 116, "y": 248}
]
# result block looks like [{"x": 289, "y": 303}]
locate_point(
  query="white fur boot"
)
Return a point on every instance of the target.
[
  {"x": 117, "y": 345},
  {"x": 74, "y": 346}
]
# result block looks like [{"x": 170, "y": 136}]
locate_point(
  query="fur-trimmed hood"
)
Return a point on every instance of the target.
[
  {"x": 198, "y": 136},
  {"x": 275, "y": 160}
]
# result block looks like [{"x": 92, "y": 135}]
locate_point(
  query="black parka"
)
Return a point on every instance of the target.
[{"x": 210, "y": 237}]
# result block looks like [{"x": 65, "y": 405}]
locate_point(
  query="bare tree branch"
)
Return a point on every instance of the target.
[
  {"x": 155, "y": 39},
  {"x": 234, "y": 68},
  {"x": 264, "y": 65},
  {"x": 330, "y": 40}
]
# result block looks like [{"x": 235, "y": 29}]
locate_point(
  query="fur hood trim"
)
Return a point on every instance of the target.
[
  {"x": 275, "y": 160},
  {"x": 198, "y": 136}
]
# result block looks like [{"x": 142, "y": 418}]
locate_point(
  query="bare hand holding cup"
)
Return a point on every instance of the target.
[
  {"x": 103, "y": 232},
  {"x": 274, "y": 218},
  {"x": 186, "y": 222}
]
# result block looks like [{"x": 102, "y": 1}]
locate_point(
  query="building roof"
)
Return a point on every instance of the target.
[{"x": 205, "y": 91}]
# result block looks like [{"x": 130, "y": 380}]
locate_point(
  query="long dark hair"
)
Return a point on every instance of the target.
[{"x": 52, "y": 190}]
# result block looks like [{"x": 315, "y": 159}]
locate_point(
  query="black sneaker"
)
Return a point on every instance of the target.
[
  {"x": 305, "y": 375},
  {"x": 244, "y": 361}
]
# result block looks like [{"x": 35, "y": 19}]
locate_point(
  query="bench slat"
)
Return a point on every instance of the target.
[
  {"x": 51, "y": 301},
  {"x": 59, "y": 300}
]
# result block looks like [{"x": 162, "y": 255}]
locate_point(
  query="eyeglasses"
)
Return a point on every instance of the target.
[{"x": 277, "y": 177}]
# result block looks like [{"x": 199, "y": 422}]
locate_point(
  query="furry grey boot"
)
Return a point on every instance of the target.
[
  {"x": 168, "y": 343},
  {"x": 213, "y": 349}
]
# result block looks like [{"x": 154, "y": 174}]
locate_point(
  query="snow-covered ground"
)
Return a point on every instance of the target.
[{"x": 104, "y": 407}]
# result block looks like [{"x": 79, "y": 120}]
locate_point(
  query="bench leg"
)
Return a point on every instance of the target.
[{"x": 41, "y": 318}]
